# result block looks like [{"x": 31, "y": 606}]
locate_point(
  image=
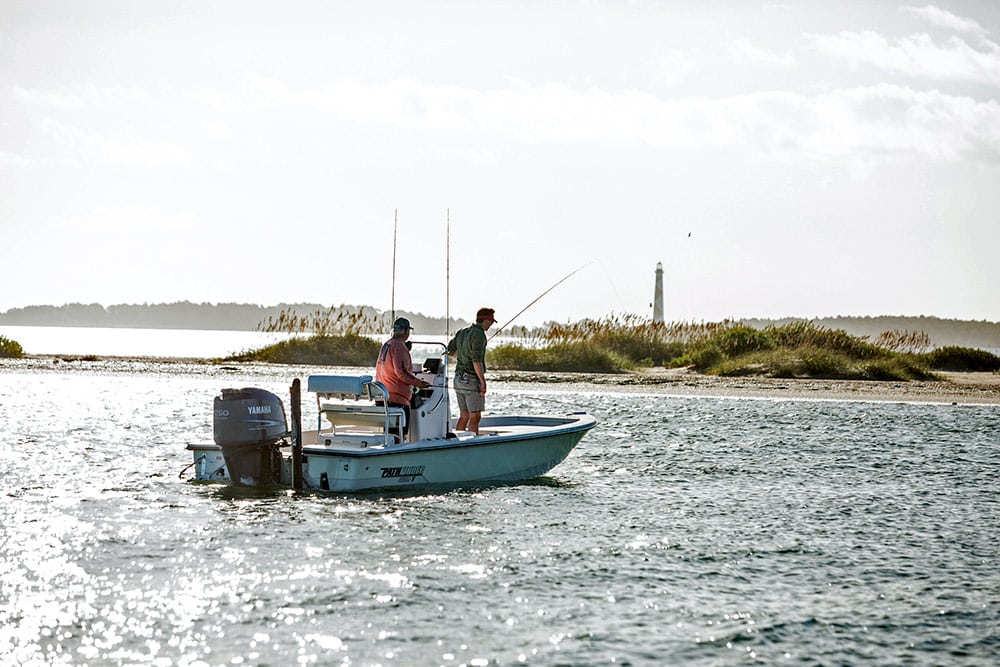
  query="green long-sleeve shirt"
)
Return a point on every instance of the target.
[{"x": 468, "y": 346}]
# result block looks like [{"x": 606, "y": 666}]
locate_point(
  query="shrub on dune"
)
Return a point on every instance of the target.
[
  {"x": 347, "y": 350},
  {"x": 10, "y": 349}
]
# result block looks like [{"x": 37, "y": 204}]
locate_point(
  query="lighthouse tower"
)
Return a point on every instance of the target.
[{"x": 658, "y": 294}]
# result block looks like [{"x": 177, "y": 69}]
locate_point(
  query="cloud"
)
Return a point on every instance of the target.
[
  {"x": 75, "y": 146},
  {"x": 862, "y": 123},
  {"x": 673, "y": 67},
  {"x": 941, "y": 18},
  {"x": 916, "y": 55},
  {"x": 83, "y": 125},
  {"x": 14, "y": 160},
  {"x": 743, "y": 51},
  {"x": 874, "y": 121},
  {"x": 80, "y": 97},
  {"x": 888, "y": 120}
]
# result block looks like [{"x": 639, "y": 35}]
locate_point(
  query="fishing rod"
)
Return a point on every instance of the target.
[
  {"x": 395, "y": 223},
  {"x": 447, "y": 274},
  {"x": 539, "y": 297}
]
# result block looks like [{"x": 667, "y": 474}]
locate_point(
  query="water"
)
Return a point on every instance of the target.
[
  {"x": 682, "y": 530},
  {"x": 123, "y": 342}
]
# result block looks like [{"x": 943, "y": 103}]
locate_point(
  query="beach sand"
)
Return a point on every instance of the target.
[{"x": 958, "y": 388}]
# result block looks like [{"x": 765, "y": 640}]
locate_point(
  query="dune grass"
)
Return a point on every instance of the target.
[
  {"x": 325, "y": 350},
  {"x": 10, "y": 349},
  {"x": 558, "y": 357},
  {"x": 730, "y": 348},
  {"x": 963, "y": 359},
  {"x": 337, "y": 339},
  {"x": 799, "y": 349}
]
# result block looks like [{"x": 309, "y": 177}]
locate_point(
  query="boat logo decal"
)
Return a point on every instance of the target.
[
  {"x": 259, "y": 409},
  {"x": 403, "y": 471}
]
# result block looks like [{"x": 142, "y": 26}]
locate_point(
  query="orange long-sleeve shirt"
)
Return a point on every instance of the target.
[{"x": 394, "y": 369}]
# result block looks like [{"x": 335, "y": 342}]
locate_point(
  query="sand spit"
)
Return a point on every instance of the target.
[
  {"x": 972, "y": 388},
  {"x": 980, "y": 388}
]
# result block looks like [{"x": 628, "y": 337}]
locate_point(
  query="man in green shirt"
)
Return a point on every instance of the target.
[{"x": 469, "y": 348}]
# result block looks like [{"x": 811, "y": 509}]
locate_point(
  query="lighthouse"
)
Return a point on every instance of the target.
[{"x": 658, "y": 294}]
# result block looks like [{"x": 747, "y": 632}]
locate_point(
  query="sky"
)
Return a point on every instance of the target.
[{"x": 799, "y": 159}]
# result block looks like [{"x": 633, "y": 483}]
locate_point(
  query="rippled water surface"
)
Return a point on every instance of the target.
[{"x": 687, "y": 530}]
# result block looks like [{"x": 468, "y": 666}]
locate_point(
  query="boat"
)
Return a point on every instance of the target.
[{"x": 358, "y": 442}]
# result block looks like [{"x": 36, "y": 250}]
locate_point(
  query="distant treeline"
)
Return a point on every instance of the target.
[
  {"x": 249, "y": 317},
  {"x": 187, "y": 315}
]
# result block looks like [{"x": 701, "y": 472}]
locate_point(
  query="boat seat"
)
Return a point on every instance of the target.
[
  {"x": 339, "y": 414},
  {"x": 339, "y": 439},
  {"x": 361, "y": 406}
]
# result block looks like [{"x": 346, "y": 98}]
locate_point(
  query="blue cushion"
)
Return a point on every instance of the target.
[{"x": 353, "y": 385}]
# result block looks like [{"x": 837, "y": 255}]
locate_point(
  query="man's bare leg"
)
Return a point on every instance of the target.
[{"x": 474, "y": 418}]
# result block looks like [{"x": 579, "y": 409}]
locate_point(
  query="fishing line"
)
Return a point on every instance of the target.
[{"x": 611, "y": 282}]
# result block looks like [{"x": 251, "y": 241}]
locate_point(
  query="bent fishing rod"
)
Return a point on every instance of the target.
[{"x": 539, "y": 298}]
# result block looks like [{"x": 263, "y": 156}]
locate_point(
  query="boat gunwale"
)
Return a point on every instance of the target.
[{"x": 577, "y": 423}]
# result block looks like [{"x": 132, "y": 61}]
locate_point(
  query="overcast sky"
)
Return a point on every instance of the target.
[{"x": 801, "y": 159}]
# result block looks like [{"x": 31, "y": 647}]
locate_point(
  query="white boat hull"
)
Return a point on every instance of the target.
[
  {"x": 508, "y": 449},
  {"x": 360, "y": 441}
]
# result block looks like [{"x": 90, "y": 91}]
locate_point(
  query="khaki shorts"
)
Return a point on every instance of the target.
[{"x": 467, "y": 393}]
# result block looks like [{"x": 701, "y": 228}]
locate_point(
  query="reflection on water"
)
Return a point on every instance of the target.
[
  {"x": 682, "y": 530},
  {"x": 120, "y": 342}
]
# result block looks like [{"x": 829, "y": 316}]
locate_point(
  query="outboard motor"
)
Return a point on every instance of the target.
[{"x": 248, "y": 425}]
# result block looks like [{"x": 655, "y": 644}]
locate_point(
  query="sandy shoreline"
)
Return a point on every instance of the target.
[
  {"x": 969, "y": 388},
  {"x": 973, "y": 388}
]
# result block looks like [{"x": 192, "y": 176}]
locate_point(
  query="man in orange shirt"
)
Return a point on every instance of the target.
[{"x": 394, "y": 369}]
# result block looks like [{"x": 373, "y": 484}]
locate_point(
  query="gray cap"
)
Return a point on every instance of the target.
[{"x": 401, "y": 325}]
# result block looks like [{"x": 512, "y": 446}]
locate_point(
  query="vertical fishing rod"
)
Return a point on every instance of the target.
[
  {"x": 395, "y": 223},
  {"x": 538, "y": 298},
  {"x": 447, "y": 274}
]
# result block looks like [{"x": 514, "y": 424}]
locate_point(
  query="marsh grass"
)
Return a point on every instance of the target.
[
  {"x": 10, "y": 349},
  {"x": 731, "y": 348},
  {"x": 637, "y": 341},
  {"x": 914, "y": 342},
  {"x": 963, "y": 359},
  {"x": 333, "y": 337},
  {"x": 616, "y": 344},
  {"x": 583, "y": 357},
  {"x": 335, "y": 321},
  {"x": 326, "y": 350}
]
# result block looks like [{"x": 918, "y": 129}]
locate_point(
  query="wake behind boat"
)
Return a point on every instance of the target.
[{"x": 358, "y": 442}]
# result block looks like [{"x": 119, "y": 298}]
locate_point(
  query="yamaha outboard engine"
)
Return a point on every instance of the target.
[{"x": 248, "y": 425}]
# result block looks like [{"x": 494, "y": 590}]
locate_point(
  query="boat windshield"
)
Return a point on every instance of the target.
[{"x": 422, "y": 351}]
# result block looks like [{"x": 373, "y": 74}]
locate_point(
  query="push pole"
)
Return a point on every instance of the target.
[
  {"x": 447, "y": 274},
  {"x": 296, "y": 391}
]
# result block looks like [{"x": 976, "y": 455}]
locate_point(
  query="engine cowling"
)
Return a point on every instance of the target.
[
  {"x": 248, "y": 416},
  {"x": 248, "y": 425}
]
